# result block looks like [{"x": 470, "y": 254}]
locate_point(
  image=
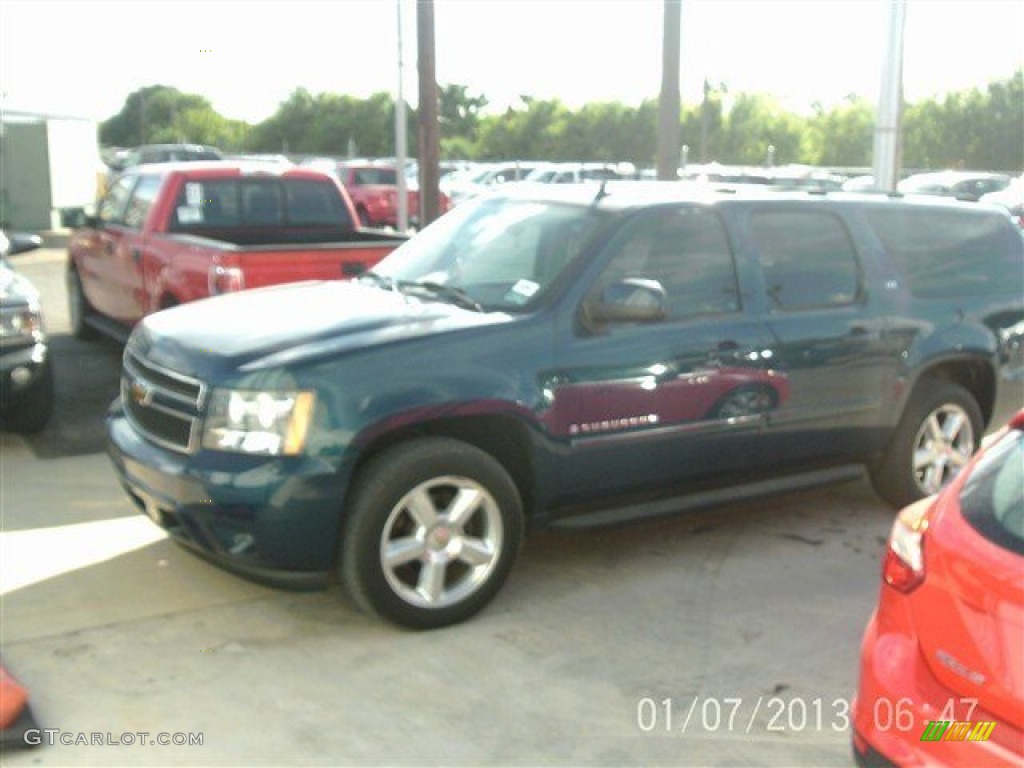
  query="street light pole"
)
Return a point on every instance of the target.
[
  {"x": 668, "y": 102},
  {"x": 890, "y": 102}
]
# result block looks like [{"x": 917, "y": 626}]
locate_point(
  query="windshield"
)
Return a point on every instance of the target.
[{"x": 503, "y": 254}]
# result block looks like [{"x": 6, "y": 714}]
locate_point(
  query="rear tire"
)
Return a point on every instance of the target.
[
  {"x": 432, "y": 530},
  {"x": 936, "y": 437},
  {"x": 79, "y": 308}
]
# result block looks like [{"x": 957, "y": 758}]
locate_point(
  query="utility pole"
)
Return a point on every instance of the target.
[
  {"x": 668, "y": 102},
  {"x": 400, "y": 137},
  {"x": 429, "y": 129},
  {"x": 890, "y": 103}
]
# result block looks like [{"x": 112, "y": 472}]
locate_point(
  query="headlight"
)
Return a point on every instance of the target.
[
  {"x": 20, "y": 324},
  {"x": 263, "y": 422}
]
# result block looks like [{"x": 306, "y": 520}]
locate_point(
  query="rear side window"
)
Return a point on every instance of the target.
[
  {"x": 992, "y": 499},
  {"x": 807, "y": 258},
  {"x": 943, "y": 254},
  {"x": 370, "y": 176},
  {"x": 278, "y": 202}
]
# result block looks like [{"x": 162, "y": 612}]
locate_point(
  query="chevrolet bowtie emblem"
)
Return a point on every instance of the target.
[{"x": 141, "y": 393}]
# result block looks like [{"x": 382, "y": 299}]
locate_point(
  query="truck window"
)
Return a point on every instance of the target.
[
  {"x": 947, "y": 253},
  {"x": 112, "y": 207},
  {"x": 142, "y": 200},
  {"x": 278, "y": 202},
  {"x": 807, "y": 258},
  {"x": 687, "y": 251}
]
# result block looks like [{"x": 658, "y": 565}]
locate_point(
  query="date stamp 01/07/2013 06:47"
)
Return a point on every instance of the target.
[{"x": 795, "y": 714}]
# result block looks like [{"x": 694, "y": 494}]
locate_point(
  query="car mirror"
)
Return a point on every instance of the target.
[
  {"x": 18, "y": 242},
  {"x": 84, "y": 217},
  {"x": 632, "y": 300}
]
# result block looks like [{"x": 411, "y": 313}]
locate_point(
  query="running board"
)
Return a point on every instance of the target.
[{"x": 700, "y": 500}]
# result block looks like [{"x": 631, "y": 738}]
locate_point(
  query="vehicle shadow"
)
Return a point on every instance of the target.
[{"x": 86, "y": 376}]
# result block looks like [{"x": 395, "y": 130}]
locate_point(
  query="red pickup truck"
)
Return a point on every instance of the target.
[{"x": 173, "y": 233}]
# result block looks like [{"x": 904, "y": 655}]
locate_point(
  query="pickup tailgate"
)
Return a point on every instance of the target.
[{"x": 274, "y": 264}]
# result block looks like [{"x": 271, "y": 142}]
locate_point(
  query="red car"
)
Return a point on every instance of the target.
[
  {"x": 942, "y": 661},
  {"x": 374, "y": 191}
]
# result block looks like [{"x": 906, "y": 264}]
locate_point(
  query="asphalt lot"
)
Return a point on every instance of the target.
[{"x": 717, "y": 638}]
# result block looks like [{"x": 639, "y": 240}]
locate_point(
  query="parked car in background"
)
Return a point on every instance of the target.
[
  {"x": 171, "y": 233},
  {"x": 568, "y": 355},
  {"x": 26, "y": 397},
  {"x": 165, "y": 153},
  {"x": 461, "y": 186},
  {"x": 942, "y": 660},
  {"x": 574, "y": 173},
  {"x": 963, "y": 185},
  {"x": 373, "y": 188},
  {"x": 1011, "y": 198}
]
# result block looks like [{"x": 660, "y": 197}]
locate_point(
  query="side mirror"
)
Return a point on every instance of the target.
[
  {"x": 18, "y": 242},
  {"x": 632, "y": 300},
  {"x": 84, "y": 217}
]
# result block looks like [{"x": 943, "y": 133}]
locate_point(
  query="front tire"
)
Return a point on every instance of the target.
[
  {"x": 939, "y": 432},
  {"x": 30, "y": 412},
  {"x": 432, "y": 530},
  {"x": 79, "y": 309}
]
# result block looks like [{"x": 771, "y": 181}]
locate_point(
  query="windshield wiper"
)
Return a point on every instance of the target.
[
  {"x": 380, "y": 280},
  {"x": 449, "y": 293},
  {"x": 454, "y": 295}
]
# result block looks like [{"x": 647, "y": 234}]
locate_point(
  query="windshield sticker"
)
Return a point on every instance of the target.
[
  {"x": 521, "y": 292},
  {"x": 194, "y": 193},
  {"x": 189, "y": 214}
]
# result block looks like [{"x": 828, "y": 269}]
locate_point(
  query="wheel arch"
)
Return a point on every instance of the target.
[
  {"x": 504, "y": 437},
  {"x": 975, "y": 374}
]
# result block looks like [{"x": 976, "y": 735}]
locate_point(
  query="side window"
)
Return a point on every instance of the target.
[
  {"x": 807, "y": 258},
  {"x": 112, "y": 207},
  {"x": 947, "y": 253},
  {"x": 687, "y": 251},
  {"x": 142, "y": 200}
]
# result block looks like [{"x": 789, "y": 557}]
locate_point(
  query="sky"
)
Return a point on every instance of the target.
[{"x": 80, "y": 58}]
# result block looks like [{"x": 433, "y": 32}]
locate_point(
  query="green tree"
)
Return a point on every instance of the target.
[
  {"x": 329, "y": 124},
  {"x": 160, "y": 114},
  {"x": 757, "y": 130},
  {"x": 534, "y": 133},
  {"x": 459, "y": 112},
  {"x": 843, "y": 136}
]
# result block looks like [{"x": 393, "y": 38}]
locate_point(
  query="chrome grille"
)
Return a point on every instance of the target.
[{"x": 163, "y": 405}]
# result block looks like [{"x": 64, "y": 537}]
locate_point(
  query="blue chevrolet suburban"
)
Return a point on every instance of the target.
[{"x": 567, "y": 356}]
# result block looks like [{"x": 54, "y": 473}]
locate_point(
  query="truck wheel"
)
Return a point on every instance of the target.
[
  {"x": 939, "y": 432},
  {"x": 79, "y": 309},
  {"x": 31, "y": 411},
  {"x": 432, "y": 530},
  {"x": 364, "y": 217}
]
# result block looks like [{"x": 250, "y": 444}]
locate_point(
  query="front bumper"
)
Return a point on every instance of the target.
[
  {"x": 272, "y": 519},
  {"x": 898, "y": 696}
]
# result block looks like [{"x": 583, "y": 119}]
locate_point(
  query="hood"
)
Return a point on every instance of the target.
[{"x": 288, "y": 324}]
